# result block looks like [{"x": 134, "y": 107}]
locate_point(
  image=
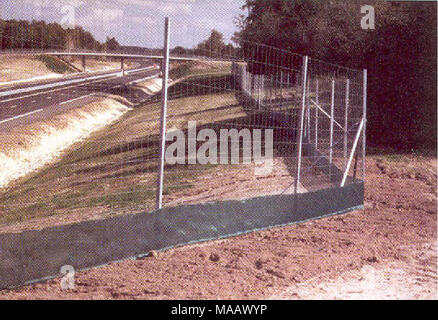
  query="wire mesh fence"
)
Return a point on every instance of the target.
[
  {"x": 315, "y": 110},
  {"x": 333, "y": 119},
  {"x": 245, "y": 122}
]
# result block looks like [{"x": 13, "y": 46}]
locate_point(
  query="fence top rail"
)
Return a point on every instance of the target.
[{"x": 287, "y": 51}]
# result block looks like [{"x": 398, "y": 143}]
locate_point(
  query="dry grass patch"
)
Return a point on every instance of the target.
[
  {"x": 114, "y": 168},
  {"x": 15, "y": 68}
]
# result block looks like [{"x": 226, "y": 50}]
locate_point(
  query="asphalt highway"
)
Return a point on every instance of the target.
[{"x": 25, "y": 100}]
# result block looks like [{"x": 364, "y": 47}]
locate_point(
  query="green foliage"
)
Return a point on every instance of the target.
[
  {"x": 400, "y": 55},
  {"x": 215, "y": 46},
  {"x": 20, "y": 34},
  {"x": 181, "y": 70},
  {"x": 111, "y": 44},
  {"x": 179, "y": 51}
]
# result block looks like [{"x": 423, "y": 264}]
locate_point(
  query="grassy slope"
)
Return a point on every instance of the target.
[
  {"x": 19, "y": 68},
  {"x": 116, "y": 167},
  {"x": 56, "y": 65},
  {"x": 196, "y": 69}
]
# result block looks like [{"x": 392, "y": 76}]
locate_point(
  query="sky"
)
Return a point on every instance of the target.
[{"x": 134, "y": 22}]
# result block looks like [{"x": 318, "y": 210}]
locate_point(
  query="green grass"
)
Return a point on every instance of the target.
[
  {"x": 181, "y": 71},
  {"x": 56, "y": 65},
  {"x": 195, "y": 69},
  {"x": 116, "y": 168}
]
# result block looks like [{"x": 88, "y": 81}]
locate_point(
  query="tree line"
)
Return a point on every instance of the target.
[
  {"x": 25, "y": 35},
  {"x": 400, "y": 55},
  {"x": 213, "y": 46}
]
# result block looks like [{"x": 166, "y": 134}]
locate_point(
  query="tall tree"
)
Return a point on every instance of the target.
[
  {"x": 112, "y": 44},
  {"x": 15, "y": 34},
  {"x": 400, "y": 55},
  {"x": 213, "y": 46}
]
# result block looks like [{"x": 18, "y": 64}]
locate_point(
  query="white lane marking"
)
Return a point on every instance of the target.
[
  {"x": 49, "y": 98},
  {"x": 57, "y": 84},
  {"x": 53, "y": 85},
  {"x": 138, "y": 70},
  {"x": 39, "y": 110},
  {"x": 13, "y": 107},
  {"x": 88, "y": 95},
  {"x": 21, "y": 116},
  {"x": 144, "y": 79},
  {"x": 81, "y": 97},
  {"x": 54, "y": 90},
  {"x": 33, "y": 101}
]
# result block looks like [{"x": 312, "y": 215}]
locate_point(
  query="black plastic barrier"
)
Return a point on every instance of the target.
[{"x": 37, "y": 255}]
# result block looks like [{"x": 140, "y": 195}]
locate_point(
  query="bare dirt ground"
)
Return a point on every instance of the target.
[
  {"x": 413, "y": 279},
  {"x": 387, "y": 251}
]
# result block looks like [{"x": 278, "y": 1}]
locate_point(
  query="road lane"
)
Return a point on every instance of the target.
[
  {"x": 17, "y": 105},
  {"x": 76, "y": 76}
]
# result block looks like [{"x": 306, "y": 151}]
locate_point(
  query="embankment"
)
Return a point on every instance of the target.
[{"x": 29, "y": 148}]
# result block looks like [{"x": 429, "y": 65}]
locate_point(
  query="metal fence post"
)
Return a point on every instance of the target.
[
  {"x": 163, "y": 114},
  {"x": 259, "y": 91},
  {"x": 281, "y": 84},
  {"x": 347, "y": 105},
  {"x": 83, "y": 64},
  {"x": 365, "y": 84},
  {"x": 317, "y": 114},
  {"x": 332, "y": 118},
  {"x": 301, "y": 123},
  {"x": 308, "y": 134},
  {"x": 263, "y": 90}
]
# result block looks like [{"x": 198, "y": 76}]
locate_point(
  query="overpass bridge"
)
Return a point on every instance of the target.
[{"x": 85, "y": 55}]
